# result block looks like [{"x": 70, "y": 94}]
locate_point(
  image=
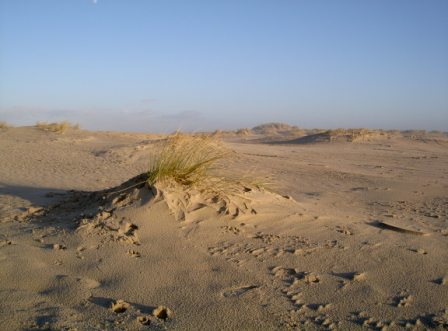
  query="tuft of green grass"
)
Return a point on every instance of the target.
[
  {"x": 4, "y": 125},
  {"x": 57, "y": 127},
  {"x": 186, "y": 159}
]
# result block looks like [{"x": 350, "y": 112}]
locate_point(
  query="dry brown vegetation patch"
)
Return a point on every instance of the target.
[
  {"x": 351, "y": 135},
  {"x": 4, "y": 125},
  {"x": 57, "y": 127}
]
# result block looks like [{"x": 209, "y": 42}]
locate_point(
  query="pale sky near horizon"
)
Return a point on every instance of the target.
[{"x": 161, "y": 65}]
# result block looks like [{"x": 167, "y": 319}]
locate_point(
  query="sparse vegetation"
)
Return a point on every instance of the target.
[
  {"x": 243, "y": 132},
  {"x": 4, "y": 125},
  {"x": 274, "y": 128},
  {"x": 57, "y": 127},
  {"x": 186, "y": 159},
  {"x": 348, "y": 134}
]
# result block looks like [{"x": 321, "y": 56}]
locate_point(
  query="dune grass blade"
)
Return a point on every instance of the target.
[{"x": 186, "y": 159}]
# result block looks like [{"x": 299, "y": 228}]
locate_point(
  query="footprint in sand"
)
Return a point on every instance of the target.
[
  {"x": 120, "y": 306},
  {"x": 79, "y": 251},
  {"x": 163, "y": 313},
  {"x": 5, "y": 243},
  {"x": 287, "y": 275},
  {"x": 418, "y": 250},
  {"x": 352, "y": 276},
  {"x": 258, "y": 251},
  {"x": 441, "y": 281},
  {"x": 344, "y": 230},
  {"x": 59, "y": 247},
  {"x": 230, "y": 229},
  {"x": 311, "y": 278},
  {"x": 403, "y": 300},
  {"x": 319, "y": 307},
  {"x": 144, "y": 320},
  {"x": 236, "y": 292}
]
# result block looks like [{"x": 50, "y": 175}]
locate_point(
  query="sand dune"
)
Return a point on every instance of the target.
[{"x": 349, "y": 236}]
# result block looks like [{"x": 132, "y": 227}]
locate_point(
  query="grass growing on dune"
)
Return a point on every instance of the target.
[
  {"x": 350, "y": 134},
  {"x": 57, "y": 127},
  {"x": 186, "y": 159},
  {"x": 3, "y": 125}
]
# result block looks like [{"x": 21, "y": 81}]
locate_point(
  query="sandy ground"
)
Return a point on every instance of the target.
[{"x": 326, "y": 251}]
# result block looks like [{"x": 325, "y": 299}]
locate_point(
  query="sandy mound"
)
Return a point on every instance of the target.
[
  {"x": 339, "y": 135},
  {"x": 274, "y": 128},
  {"x": 94, "y": 238}
]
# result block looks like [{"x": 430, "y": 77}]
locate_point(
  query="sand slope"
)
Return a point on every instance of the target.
[{"x": 314, "y": 256}]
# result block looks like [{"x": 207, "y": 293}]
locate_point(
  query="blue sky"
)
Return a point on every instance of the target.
[{"x": 160, "y": 65}]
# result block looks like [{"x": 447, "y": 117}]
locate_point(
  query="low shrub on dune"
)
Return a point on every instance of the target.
[
  {"x": 350, "y": 135},
  {"x": 4, "y": 125},
  {"x": 57, "y": 127}
]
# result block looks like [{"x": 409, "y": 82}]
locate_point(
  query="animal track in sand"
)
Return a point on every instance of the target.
[
  {"x": 319, "y": 307},
  {"x": 262, "y": 246},
  {"x": 133, "y": 253},
  {"x": 230, "y": 229},
  {"x": 362, "y": 318},
  {"x": 305, "y": 318},
  {"x": 236, "y": 292},
  {"x": 432, "y": 213},
  {"x": 344, "y": 230},
  {"x": 293, "y": 282}
]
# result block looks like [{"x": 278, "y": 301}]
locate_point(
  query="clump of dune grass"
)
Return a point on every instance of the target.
[
  {"x": 57, "y": 127},
  {"x": 186, "y": 159},
  {"x": 350, "y": 135},
  {"x": 4, "y": 125}
]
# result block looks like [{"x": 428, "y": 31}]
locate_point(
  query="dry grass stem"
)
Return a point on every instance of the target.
[{"x": 186, "y": 159}]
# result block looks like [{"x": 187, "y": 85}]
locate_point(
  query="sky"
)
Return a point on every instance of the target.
[{"x": 162, "y": 65}]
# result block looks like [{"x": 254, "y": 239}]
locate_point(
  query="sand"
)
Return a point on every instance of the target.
[{"x": 352, "y": 234}]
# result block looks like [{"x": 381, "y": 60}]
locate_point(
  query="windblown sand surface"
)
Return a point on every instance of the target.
[{"x": 355, "y": 237}]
